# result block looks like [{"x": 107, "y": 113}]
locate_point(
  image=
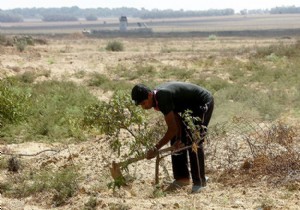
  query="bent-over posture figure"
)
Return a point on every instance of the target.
[{"x": 172, "y": 98}]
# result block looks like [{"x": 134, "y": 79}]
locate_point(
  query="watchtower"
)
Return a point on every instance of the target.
[{"x": 123, "y": 23}]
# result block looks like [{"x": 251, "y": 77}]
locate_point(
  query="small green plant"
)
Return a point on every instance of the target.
[
  {"x": 80, "y": 74},
  {"x": 175, "y": 72},
  {"x": 272, "y": 57},
  {"x": 28, "y": 77},
  {"x": 22, "y": 42},
  {"x": 212, "y": 37},
  {"x": 103, "y": 82},
  {"x": 115, "y": 46},
  {"x": 98, "y": 79},
  {"x": 158, "y": 192},
  {"x": 118, "y": 206},
  {"x": 21, "y": 45},
  {"x": 266, "y": 204},
  {"x": 51, "y": 61},
  {"x": 91, "y": 204},
  {"x": 117, "y": 183}
]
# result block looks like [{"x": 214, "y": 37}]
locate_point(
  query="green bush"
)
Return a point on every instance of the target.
[
  {"x": 115, "y": 46},
  {"x": 62, "y": 184},
  {"x": 27, "y": 77},
  {"x": 176, "y": 72},
  {"x": 121, "y": 114},
  {"x": 50, "y": 110},
  {"x": 14, "y": 102},
  {"x": 212, "y": 37},
  {"x": 57, "y": 109},
  {"x": 21, "y": 45},
  {"x": 103, "y": 82},
  {"x": 22, "y": 42},
  {"x": 98, "y": 79}
]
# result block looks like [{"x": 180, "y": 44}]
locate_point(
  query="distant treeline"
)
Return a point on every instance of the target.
[
  {"x": 74, "y": 13},
  {"x": 285, "y": 10}
]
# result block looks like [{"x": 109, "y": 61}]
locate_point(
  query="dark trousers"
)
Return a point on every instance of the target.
[{"x": 180, "y": 160}]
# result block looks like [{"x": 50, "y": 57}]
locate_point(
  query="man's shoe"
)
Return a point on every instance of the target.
[
  {"x": 197, "y": 188},
  {"x": 176, "y": 185}
]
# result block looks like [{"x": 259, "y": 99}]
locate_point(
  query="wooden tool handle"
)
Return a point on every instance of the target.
[{"x": 143, "y": 156}]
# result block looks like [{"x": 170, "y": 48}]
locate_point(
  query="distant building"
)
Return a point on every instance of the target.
[{"x": 123, "y": 23}]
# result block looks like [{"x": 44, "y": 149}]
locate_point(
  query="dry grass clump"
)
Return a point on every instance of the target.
[
  {"x": 280, "y": 49},
  {"x": 13, "y": 164}
]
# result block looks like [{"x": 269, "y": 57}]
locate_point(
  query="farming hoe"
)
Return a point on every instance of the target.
[{"x": 116, "y": 168}]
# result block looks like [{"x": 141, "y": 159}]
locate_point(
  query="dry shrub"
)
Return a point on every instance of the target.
[
  {"x": 41, "y": 41},
  {"x": 284, "y": 164},
  {"x": 13, "y": 164},
  {"x": 278, "y": 154},
  {"x": 6, "y": 40},
  {"x": 267, "y": 151}
]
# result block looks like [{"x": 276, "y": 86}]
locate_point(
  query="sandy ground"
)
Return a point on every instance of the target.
[
  {"x": 139, "y": 194},
  {"x": 68, "y": 58}
]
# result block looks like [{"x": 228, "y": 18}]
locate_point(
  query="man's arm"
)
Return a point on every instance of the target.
[{"x": 173, "y": 123}]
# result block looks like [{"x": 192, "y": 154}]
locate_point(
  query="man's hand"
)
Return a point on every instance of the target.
[
  {"x": 152, "y": 153},
  {"x": 178, "y": 144}
]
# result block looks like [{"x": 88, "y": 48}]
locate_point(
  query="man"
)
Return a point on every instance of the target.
[{"x": 173, "y": 98}]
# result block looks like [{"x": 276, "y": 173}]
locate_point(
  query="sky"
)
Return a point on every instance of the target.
[{"x": 237, "y": 5}]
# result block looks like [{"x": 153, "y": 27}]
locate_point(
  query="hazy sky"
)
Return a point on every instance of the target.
[{"x": 237, "y": 5}]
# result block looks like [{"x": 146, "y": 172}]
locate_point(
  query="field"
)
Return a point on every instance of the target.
[
  {"x": 233, "y": 25},
  {"x": 49, "y": 161}
]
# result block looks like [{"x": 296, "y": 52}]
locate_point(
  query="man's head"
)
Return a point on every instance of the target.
[{"x": 140, "y": 93}]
